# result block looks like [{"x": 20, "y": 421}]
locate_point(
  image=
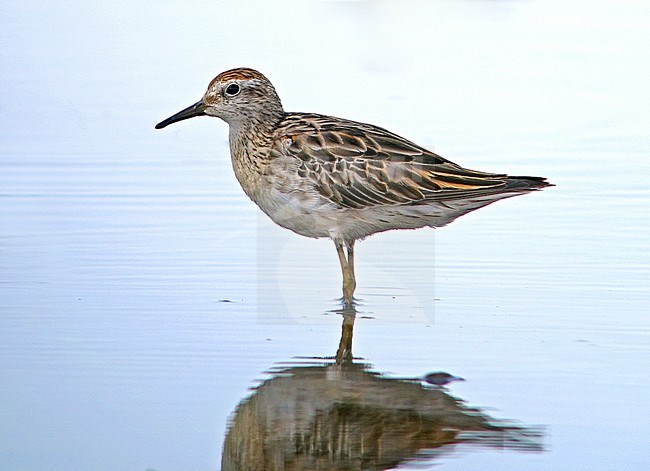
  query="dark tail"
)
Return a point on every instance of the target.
[{"x": 527, "y": 183}]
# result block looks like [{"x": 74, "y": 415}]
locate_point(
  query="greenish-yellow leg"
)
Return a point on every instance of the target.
[
  {"x": 347, "y": 268},
  {"x": 351, "y": 258}
]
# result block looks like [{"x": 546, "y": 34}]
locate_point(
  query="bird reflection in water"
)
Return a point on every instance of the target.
[{"x": 338, "y": 414}]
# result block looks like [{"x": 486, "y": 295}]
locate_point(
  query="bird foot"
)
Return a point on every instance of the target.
[{"x": 348, "y": 303}]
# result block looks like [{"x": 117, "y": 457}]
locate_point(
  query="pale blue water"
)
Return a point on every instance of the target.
[{"x": 142, "y": 294}]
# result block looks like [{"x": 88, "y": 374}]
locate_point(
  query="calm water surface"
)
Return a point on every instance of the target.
[{"x": 145, "y": 303}]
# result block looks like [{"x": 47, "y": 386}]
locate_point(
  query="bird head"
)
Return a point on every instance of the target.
[{"x": 236, "y": 96}]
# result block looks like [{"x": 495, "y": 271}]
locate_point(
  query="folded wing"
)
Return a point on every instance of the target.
[{"x": 357, "y": 165}]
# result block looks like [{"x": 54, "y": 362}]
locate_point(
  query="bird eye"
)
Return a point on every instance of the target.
[{"x": 232, "y": 89}]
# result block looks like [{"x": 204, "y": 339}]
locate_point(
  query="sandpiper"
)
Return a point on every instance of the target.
[{"x": 322, "y": 176}]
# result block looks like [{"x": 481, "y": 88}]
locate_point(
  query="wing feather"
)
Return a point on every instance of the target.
[{"x": 358, "y": 165}]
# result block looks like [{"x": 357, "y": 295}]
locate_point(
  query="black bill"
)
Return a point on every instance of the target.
[{"x": 197, "y": 109}]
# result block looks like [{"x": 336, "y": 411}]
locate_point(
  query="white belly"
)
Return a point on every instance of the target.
[{"x": 301, "y": 212}]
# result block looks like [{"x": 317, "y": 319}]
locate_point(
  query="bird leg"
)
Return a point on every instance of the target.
[
  {"x": 344, "y": 352},
  {"x": 351, "y": 258},
  {"x": 349, "y": 283}
]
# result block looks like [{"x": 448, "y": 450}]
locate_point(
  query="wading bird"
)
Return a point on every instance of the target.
[{"x": 322, "y": 176}]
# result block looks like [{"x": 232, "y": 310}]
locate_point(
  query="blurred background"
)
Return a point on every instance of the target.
[{"x": 142, "y": 293}]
